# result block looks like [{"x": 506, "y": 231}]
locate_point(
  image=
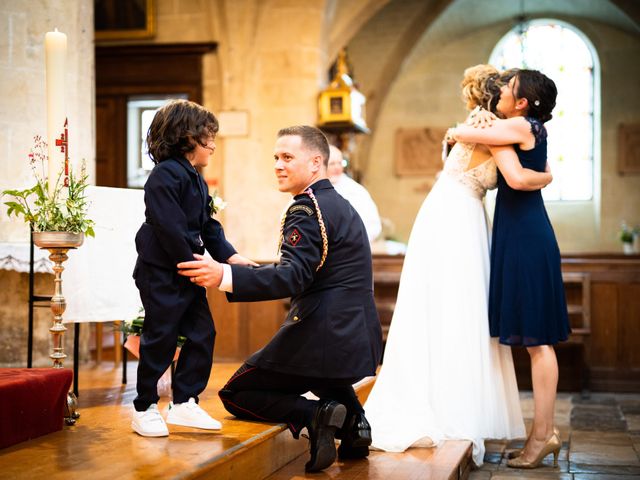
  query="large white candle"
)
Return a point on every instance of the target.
[{"x": 55, "y": 44}]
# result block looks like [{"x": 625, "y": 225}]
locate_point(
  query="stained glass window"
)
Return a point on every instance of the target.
[{"x": 565, "y": 55}]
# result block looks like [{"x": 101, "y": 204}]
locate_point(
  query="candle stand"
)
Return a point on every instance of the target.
[{"x": 58, "y": 244}]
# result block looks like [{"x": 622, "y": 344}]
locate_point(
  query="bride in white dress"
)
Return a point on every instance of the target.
[{"x": 443, "y": 376}]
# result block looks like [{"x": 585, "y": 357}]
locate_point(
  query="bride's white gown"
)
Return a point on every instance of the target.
[{"x": 443, "y": 376}]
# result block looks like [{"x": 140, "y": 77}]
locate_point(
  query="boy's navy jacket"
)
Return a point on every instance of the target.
[{"x": 178, "y": 219}]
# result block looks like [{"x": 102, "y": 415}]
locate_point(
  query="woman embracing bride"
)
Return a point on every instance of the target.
[{"x": 443, "y": 376}]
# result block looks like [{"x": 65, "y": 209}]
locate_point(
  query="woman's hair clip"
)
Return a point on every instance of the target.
[{"x": 537, "y": 103}]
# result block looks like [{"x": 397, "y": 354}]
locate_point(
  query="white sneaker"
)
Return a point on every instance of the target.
[
  {"x": 149, "y": 423},
  {"x": 189, "y": 414}
]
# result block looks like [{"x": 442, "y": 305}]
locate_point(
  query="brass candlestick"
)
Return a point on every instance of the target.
[{"x": 58, "y": 244}]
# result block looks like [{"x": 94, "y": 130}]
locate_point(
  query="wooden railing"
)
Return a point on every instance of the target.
[{"x": 603, "y": 297}]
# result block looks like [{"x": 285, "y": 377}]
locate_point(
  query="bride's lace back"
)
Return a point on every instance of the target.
[{"x": 479, "y": 179}]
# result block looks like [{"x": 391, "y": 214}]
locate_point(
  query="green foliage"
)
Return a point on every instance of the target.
[
  {"x": 626, "y": 233},
  {"x": 134, "y": 327},
  {"x": 64, "y": 211}
]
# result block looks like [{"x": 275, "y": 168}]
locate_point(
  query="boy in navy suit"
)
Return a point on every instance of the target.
[{"x": 178, "y": 227}]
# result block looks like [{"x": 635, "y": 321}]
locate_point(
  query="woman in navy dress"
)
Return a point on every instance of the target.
[{"x": 527, "y": 305}]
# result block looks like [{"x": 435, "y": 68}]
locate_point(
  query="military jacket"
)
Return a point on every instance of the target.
[
  {"x": 178, "y": 220},
  {"x": 332, "y": 329}
]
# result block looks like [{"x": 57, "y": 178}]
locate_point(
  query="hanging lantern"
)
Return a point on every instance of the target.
[{"x": 341, "y": 106}]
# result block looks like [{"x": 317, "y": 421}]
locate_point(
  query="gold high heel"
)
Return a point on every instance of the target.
[
  {"x": 518, "y": 452},
  {"x": 552, "y": 446}
]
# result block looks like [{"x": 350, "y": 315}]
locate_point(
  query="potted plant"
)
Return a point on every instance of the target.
[
  {"x": 626, "y": 237},
  {"x": 57, "y": 219}
]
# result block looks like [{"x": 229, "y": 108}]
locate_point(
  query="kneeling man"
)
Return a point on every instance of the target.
[{"x": 331, "y": 337}]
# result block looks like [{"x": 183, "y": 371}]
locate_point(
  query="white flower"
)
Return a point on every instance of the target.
[{"x": 217, "y": 203}]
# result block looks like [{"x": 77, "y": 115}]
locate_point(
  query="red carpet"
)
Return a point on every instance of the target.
[{"x": 32, "y": 402}]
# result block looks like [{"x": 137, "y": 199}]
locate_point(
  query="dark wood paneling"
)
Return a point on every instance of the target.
[
  {"x": 629, "y": 326},
  {"x": 604, "y": 331},
  {"x": 123, "y": 71},
  {"x": 111, "y": 138},
  {"x": 612, "y": 350},
  {"x": 243, "y": 328}
]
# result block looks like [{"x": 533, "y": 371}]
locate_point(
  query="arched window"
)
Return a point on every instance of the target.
[{"x": 566, "y": 56}]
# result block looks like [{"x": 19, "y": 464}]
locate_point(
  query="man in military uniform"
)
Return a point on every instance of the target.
[{"x": 331, "y": 337}]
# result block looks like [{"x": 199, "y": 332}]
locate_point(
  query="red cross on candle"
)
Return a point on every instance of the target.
[{"x": 63, "y": 143}]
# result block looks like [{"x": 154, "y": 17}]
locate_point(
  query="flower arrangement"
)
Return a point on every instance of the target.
[
  {"x": 216, "y": 204},
  {"x": 63, "y": 211},
  {"x": 626, "y": 233},
  {"x": 134, "y": 327},
  {"x": 630, "y": 238}
]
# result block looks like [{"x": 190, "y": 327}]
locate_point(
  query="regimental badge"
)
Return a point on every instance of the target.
[
  {"x": 294, "y": 237},
  {"x": 303, "y": 208}
]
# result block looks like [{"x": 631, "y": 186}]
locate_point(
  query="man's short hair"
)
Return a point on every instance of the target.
[{"x": 312, "y": 138}]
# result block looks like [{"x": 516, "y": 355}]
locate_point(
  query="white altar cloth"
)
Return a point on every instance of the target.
[
  {"x": 97, "y": 281},
  {"x": 15, "y": 256}
]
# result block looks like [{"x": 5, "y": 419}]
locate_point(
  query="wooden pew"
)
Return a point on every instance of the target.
[{"x": 603, "y": 295}]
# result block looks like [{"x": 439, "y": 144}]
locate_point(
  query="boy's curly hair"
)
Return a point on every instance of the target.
[{"x": 177, "y": 127}]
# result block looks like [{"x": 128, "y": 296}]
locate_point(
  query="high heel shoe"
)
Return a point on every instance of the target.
[
  {"x": 552, "y": 446},
  {"x": 518, "y": 452}
]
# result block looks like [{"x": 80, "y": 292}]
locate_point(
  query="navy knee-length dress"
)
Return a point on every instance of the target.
[{"x": 527, "y": 303}]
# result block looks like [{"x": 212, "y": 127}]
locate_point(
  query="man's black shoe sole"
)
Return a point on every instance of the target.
[{"x": 329, "y": 419}]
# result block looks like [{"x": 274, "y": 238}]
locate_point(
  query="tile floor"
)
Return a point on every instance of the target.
[{"x": 600, "y": 435}]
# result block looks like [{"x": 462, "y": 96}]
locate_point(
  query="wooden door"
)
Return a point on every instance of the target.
[{"x": 136, "y": 70}]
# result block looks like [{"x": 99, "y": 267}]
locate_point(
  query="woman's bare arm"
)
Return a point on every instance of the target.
[
  {"x": 502, "y": 132},
  {"x": 518, "y": 177}
]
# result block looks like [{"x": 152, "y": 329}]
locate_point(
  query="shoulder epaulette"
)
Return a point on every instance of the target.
[{"x": 308, "y": 211}]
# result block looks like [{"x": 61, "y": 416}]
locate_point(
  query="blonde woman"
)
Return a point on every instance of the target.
[{"x": 443, "y": 376}]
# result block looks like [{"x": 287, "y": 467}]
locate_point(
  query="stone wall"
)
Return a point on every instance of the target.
[
  {"x": 425, "y": 93},
  {"x": 23, "y": 114},
  {"x": 14, "y": 321}
]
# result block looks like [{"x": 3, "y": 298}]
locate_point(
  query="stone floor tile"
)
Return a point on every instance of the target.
[
  {"x": 515, "y": 444},
  {"x": 595, "y": 399},
  {"x": 526, "y": 404},
  {"x": 633, "y": 422},
  {"x": 627, "y": 399},
  {"x": 600, "y": 476},
  {"x": 597, "y": 417},
  {"x": 565, "y": 432},
  {"x": 602, "y": 448},
  {"x": 532, "y": 474},
  {"x": 547, "y": 465},
  {"x": 494, "y": 446},
  {"x": 562, "y": 415},
  {"x": 493, "y": 457},
  {"x": 587, "y": 440},
  {"x": 577, "y": 468},
  {"x": 479, "y": 475},
  {"x": 489, "y": 467},
  {"x": 564, "y": 453}
]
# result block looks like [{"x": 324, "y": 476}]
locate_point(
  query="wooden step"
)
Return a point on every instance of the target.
[
  {"x": 451, "y": 461},
  {"x": 102, "y": 444}
]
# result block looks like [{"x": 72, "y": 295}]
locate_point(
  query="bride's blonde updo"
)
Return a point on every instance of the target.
[{"x": 480, "y": 86}]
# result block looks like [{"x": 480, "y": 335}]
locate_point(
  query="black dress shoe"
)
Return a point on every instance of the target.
[
  {"x": 328, "y": 418},
  {"x": 356, "y": 438}
]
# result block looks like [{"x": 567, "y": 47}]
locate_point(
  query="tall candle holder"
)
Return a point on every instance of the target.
[{"x": 58, "y": 244}]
